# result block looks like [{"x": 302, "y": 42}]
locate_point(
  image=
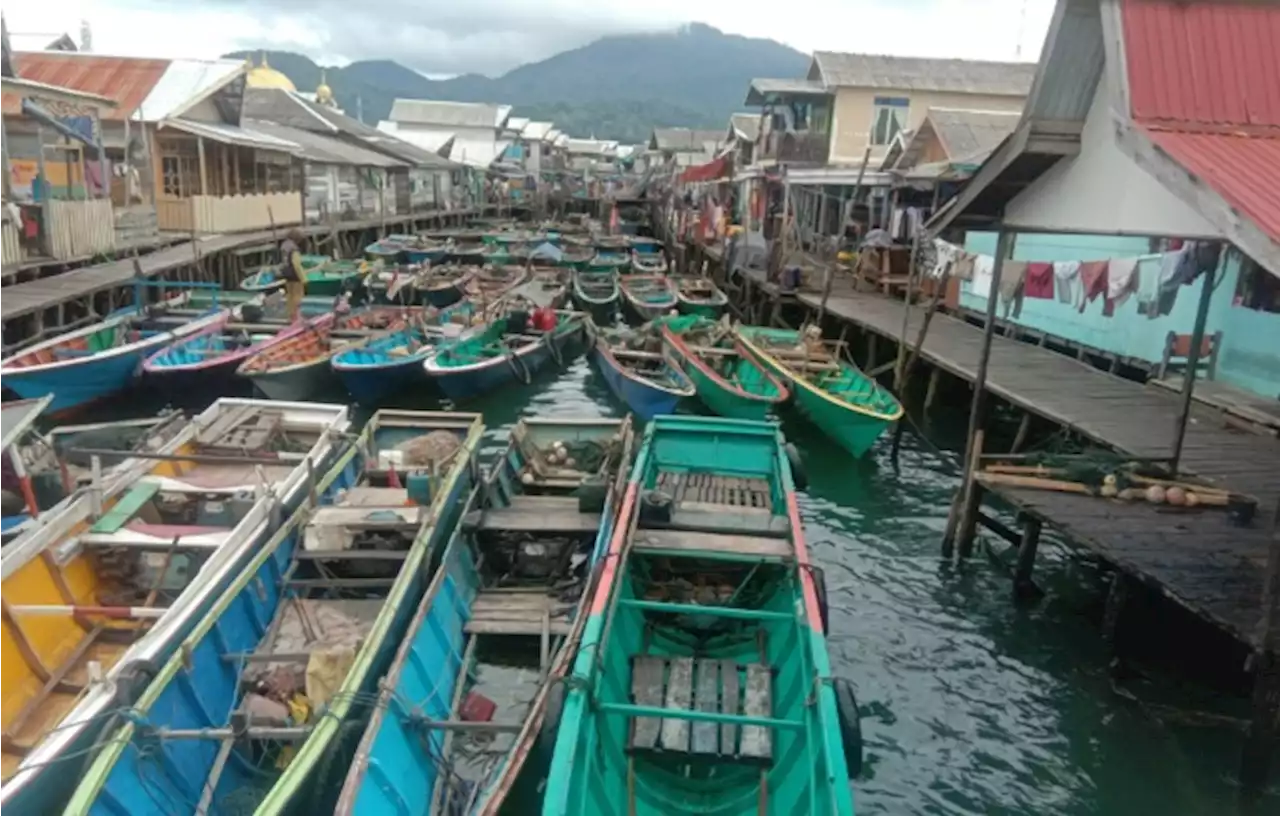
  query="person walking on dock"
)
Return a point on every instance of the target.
[{"x": 295, "y": 279}]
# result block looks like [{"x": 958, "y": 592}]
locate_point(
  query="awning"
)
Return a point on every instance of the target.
[
  {"x": 230, "y": 134},
  {"x": 42, "y": 116},
  {"x": 710, "y": 171}
]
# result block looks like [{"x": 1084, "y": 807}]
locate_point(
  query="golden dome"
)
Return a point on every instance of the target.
[
  {"x": 324, "y": 94},
  {"x": 264, "y": 76}
]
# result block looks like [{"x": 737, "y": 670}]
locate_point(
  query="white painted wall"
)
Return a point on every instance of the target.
[{"x": 1101, "y": 191}]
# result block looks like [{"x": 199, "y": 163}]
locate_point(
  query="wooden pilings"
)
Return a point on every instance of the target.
[{"x": 1263, "y": 732}]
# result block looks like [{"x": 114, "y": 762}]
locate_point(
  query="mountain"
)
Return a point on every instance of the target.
[{"x": 618, "y": 87}]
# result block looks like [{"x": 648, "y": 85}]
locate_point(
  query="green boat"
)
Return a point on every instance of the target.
[
  {"x": 267, "y": 278},
  {"x": 334, "y": 277},
  {"x": 850, "y": 407},
  {"x": 703, "y": 684},
  {"x": 699, "y": 296},
  {"x": 729, "y": 380}
]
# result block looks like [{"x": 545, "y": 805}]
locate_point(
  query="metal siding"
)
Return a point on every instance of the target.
[
  {"x": 1244, "y": 171},
  {"x": 127, "y": 80},
  {"x": 1210, "y": 63},
  {"x": 1073, "y": 66}
]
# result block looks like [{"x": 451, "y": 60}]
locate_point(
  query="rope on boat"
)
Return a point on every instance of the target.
[
  {"x": 556, "y": 354},
  {"x": 522, "y": 373}
]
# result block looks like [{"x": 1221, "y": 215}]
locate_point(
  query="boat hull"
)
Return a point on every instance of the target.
[
  {"x": 701, "y": 308},
  {"x": 369, "y": 385},
  {"x": 296, "y": 383},
  {"x": 443, "y": 296},
  {"x": 643, "y": 399},
  {"x": 472, "y": 381}
]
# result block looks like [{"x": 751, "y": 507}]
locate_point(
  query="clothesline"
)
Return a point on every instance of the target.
[{"x": 1079, "y": 283}]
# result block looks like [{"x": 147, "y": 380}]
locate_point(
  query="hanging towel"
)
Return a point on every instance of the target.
[
  {"x": 944, "y": 254},
  {"x": 1093, "y": 278},
  {"x": 1039, "y": 281},
  {"x": 963, "y": 266},
  {"x": 1067, "y": 280},
  {"x": 1012, "y": 279},
  {"x": 1172, "y": 266},
  {"x": 980, "y": 286},
  {"x": 1148, "y": 285},
  {"x": 1122, "y": 280}
]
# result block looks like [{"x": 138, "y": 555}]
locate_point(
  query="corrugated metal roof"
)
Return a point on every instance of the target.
[
  {"x": 516, "y": 123},
  {"x": 284, "y": 108},
  {"x": 42, "y": 90},
  {"x": 185, "y": 81},
  {"x": 762, "y": 90},
  {"x": 434, "y": 141},
  {"x": 969, "y": 133},
  {"x": 477, "y": 152},
  {"x": 127, "y": 80},
  {"x": 230, "y": 134},
  {"x": 683, "y": 139},
  {"x": 1071, "y": 65},
  {"x": 923, "y": 74},
  {"x": 1211, "y": 63},
  {"x": 319, "y": 147},
  {"x": 536, "y": 130},
  {"x": 450, "y": 114},
  {"x": 1244, "y": 170},
  {"x": 745, "y": 126}
]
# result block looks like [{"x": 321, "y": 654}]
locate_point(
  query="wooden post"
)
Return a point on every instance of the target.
[
  {"x": 1116, "y": 598},
  {"x": 1264, "y": 727},
  {"x": 102, "y": 156},
  {"x": 1024, "y": 428},
  {"x": 204, "y": 170},
  {"x": 972, "y": 493},
  {"x": 931, "y": 392},
  {"x": 1023, "y": 586},
  {"x": 42, "y": 176},
  {"x": 871, "y": 351},
  {"x": 912, "y": 278},
  {"x": 1193, "y": 360}
]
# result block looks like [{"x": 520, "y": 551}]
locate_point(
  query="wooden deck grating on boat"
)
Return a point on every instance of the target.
[
  {"x": 702, "y": 684},
  {"x": 693, "y": 543},
  {"x": 515, "y": 612},
  {"x": 243, "y": 428},
  {"x": 709, "y": 488}
]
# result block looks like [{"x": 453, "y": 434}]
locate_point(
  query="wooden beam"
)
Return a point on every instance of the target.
[
  {"x": 1264, "y": 727},
  {"x": 1023, "y": 586},
  {"x": 204, "y": 170}
]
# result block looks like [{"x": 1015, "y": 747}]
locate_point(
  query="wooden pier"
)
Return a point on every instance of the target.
[{"x": 39, "y": 308}]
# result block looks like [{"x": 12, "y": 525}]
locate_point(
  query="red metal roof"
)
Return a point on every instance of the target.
[
  {"x": 1244, "y": 170},
  {"x": 127, "y": 80},
  {"x": 1205, "y": 61}
]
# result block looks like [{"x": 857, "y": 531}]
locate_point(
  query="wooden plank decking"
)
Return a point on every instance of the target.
[{"x": 1198, "y": 559}]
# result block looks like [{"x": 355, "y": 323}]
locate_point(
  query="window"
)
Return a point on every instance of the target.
[
  {"x": 888, "y": 118},
  {"x": 1256, "y": 288}
]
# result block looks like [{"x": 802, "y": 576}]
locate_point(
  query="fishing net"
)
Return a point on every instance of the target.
[{"x": 435, "y": 448}]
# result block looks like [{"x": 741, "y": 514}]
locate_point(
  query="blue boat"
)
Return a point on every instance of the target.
[
  {"x": 391, "y": 364},
  {"x": 322, "y": 606},
  {"x": 506, "y": 351},
  {"x": 493, "y": 587},
  {"x": 639, "y": 373},
  {"x": 98, "y": 360}
]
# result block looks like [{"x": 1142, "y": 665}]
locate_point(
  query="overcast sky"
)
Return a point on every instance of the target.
[{"x": 441, "y": 37}]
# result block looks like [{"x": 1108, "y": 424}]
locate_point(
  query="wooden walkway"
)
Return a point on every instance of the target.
[
  {"x": 1199, "y": 559},
  {"x": 34, "y": 296}
]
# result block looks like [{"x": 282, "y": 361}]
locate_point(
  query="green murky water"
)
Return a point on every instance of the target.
[{"x": 971, "y": 704}]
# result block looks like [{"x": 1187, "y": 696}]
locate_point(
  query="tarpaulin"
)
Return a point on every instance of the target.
[{"x": 706, "y": 172}]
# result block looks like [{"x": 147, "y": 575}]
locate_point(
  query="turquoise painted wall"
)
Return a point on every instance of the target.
[{"x": 1250, "y": 354}]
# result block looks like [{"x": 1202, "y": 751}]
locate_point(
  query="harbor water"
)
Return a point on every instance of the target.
[{"x": 971, "y": 704}]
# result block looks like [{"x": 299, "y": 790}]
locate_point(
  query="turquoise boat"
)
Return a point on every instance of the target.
[
  {"x": 252, "y": 711},
  {"x": 699, "y": 296},
  {"x": 703, "y": 683},
  {"x": 596, "y": 293},
  {"x": 847, "y": 405},
  {"x": 518, "y": 572},
  {"x": 727, "y": 378}
]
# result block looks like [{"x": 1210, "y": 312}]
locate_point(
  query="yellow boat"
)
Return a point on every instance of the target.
[{"x": 97, "y": 596}]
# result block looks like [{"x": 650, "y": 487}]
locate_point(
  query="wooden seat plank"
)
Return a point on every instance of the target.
[
  {"x": 646, "y": 689},
  {"x": 538, "y": 521},
  {"x": 757, "y": 741},
  {"x": 675, "y": 732},
  {"x": 693, "y": 542},
  {"x": 124, "y": 509},
  {"x": 729, "y": 699},
  {"x": 707, "y": 698}
]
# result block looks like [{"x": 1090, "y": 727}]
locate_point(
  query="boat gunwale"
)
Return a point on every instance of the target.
[
  {"x": 574, "y": 323},
  {"x": 605, "y": 350},
  {"x": 686, "y": 352},
  {"x": 769, "y": 359},
  {"x": 150, "y": 366}
]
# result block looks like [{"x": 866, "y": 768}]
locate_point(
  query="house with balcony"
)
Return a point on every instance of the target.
[{"x": 176, "y": 154}]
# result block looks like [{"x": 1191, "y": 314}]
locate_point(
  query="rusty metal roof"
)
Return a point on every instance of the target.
[
  {"x": 127, "y": 80},
  {"x": 1202, "y": 62}
]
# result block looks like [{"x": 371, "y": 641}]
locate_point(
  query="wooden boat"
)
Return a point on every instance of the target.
[
  {"x": 612, "y": 243},
  {"x": 260, "y": 691},
  {"x": 422, "y": 250},
  {"x": 335, "y": 276},
  {"x": 442, "y": 286},
  {"x": 126, "y": 570},
  {"x": 297, "y": 367},
  {"x": 491, "y": 284},
  {"x": 412, "y": 249},
  {"x": 98, "y": 360},
  {"x": 649, "y": 263},
  {"x": 545, "y": 286},
  {"x": 610, "y": 259},
  {"x": 475, "y": 253},
  {"x": 506, "y": 351},
  {"x": 391, "y": 363},
  {"x": 267, "y": 278},
  {"x": 207, "y": 360},
  {"x": 699, "y": 296},
  {"x": 847, "y": 405},
  {"x": 577, "y": 257},
  {"x": 728, "y": 379},
  {"x": 647, "y": 296},
  {"x": 597, "y": 294},
  {"x": 638, "y": 373},
  {"x": 703, "y": 684},
  {"x": 518, "y": 572}
]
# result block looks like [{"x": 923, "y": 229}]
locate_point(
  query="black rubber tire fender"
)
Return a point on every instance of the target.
[{"x": 850, "y": 726}]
